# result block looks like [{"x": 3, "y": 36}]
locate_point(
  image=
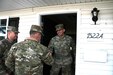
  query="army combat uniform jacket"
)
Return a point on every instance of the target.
[
  {"x": 5, "y": 46},
  {"x": 61, "y": 48},
  {"x": 25, "y": 58}
]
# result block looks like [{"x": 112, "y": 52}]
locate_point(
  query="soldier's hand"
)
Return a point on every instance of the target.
[{"x": 49, "y": 54}]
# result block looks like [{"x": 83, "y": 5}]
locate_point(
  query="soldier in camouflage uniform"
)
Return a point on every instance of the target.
[
  {"x": 27, "y": 57},
  {"x": 61, "y": 45},
  {"x": 5, "y": 46}
]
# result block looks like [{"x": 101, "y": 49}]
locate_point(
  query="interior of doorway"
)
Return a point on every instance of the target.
[{"x": 49, "y": 21}]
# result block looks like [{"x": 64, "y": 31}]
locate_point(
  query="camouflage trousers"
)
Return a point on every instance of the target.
[
  {"x": 65, "y": 69},
  {"x": 3, "y": 72}
]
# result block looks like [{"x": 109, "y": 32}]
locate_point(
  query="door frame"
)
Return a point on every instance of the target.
[{"x": 77, "y": 29}]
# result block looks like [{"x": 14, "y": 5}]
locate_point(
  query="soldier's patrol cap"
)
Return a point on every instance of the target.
[
  {"x": 12, "y": 28},
  {"x": 59, "y": 27},
  {"x": 36, "y": 28}
]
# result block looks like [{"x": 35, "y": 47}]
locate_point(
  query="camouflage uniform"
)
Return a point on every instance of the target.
[
  {"x": 5, "y": 46},
  {"x": 26, "y": 57},
  {"x": 61, "y": 48}
]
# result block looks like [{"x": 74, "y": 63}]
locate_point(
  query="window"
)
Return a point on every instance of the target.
[{"x": 3, "y": 28}]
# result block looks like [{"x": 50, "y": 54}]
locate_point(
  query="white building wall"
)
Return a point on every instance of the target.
[
  {"x": 25, "y": 23},
  {"x": 94, "y": 55}
]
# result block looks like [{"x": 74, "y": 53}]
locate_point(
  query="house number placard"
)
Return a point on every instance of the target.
[{"x": 95, "y": 35}]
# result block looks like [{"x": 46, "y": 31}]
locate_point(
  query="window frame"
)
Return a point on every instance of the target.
[{"x": 7, "y": 21}]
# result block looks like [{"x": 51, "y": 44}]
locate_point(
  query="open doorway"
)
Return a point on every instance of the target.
[{"x": 49, "y": 22}]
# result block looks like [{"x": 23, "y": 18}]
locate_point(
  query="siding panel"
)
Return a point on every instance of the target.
[
  {"x": 25, "y": 25},
  {"x": 88, "y": 62}
]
